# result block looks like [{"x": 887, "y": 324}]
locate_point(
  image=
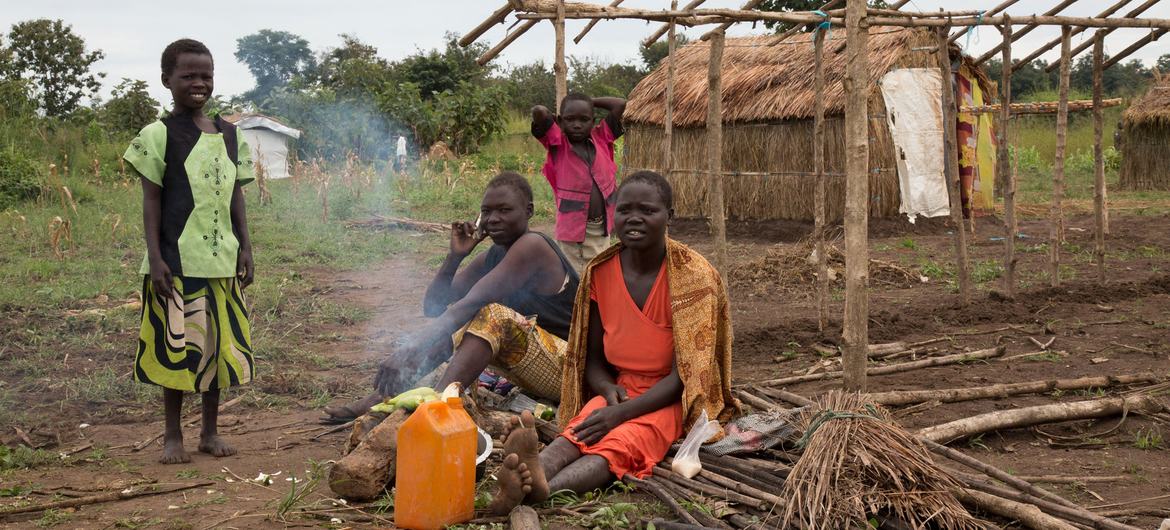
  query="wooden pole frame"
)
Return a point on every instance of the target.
[
  {"x": 1085, "y": 45},
  {"x": 1098, "y": 157},
  {"x": 715, "y": 150},
  {"x": 1003, "y": 166},
  {"x": 1056, "y": 214},
  {"x": 1055, "y": 42},
  {"x": 658, "y": 33},
  {"x": 855, "y": 333},
  {"x": 994, "y": 11},
  {"x": 951, "y": 162},
  {"x": 1024, "y": 31},
  {"x": 822, "y": 296},
  {"x": 668, "y": 119},
  {"x": 615, "y": 3},
  {"x": 560, "y": 70}
]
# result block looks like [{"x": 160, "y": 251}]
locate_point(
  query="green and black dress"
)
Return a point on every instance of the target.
[{"x": 203, "y": 341}]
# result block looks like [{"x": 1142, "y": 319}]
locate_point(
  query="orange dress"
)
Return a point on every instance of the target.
[{"x": 639, "y": 343}]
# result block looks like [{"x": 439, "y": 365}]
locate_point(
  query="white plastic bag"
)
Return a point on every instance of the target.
[{"x": 686, "y": 462}]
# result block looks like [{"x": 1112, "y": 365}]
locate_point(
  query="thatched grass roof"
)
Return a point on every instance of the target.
[
  {"x": 765, "y": 84},
  {"x": 1152, "y": 108}
]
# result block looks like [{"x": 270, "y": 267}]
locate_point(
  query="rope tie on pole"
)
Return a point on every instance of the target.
[
  {"x": 970, "y": 31},
  {"x": 824, "y": 25}
]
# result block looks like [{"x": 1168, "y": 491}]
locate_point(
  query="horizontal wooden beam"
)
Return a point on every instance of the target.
[
  {"x": 1054, "y": 42},
  {"x": 496, "y": 18},
  {"x": 750, "y": 4},
  {"x": 1023, "y": 31},
  {"x": 1040, "y": 107},
  {"x": 722, "y": 16},
  {"x": 615, "y": 3},
  {"x": 1151, "y": 37},
  {"x": 1085, "y": 45},
  {"x": 658, "y": 33},
  {"x": 508, "y": 39},
  {"x": 994, "y": 11}
]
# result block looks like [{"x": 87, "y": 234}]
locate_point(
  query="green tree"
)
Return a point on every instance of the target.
[
  {"x": 130, "y": 107},
  {"x": 274, "y": 58},
  {"x": 658, "y": 51},
  {"x": 55, "y": 61},
  {"x": 596, "y": 78},
  {"x": 437, "y": 70},
  {"x": 353, "y": 69},
  {"x": 800, "y": 5},
  {"x": 1163, "y": 64},
  {"x": 528, "y": 85}
]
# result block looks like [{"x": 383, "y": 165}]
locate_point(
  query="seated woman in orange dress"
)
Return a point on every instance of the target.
[{"x": 651, "y": 353}]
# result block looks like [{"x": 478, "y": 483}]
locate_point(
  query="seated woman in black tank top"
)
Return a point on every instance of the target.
[{"x": 508, "y": 307}]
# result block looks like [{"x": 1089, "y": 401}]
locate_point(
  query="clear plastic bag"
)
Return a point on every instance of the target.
[{"x": 686, "y": 461}]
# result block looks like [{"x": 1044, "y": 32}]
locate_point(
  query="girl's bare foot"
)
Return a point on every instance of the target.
[
  {"x": 215, "y": 446},
  {"x": 515, "y": 481},
  {"x": 525, "y": 444},
  {"x": 173, "y": 452}
]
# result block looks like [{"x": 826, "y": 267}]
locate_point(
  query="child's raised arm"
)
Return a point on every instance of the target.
[
  {"x": 615, "y": 106},
  {"x": 541, "y": 117}
]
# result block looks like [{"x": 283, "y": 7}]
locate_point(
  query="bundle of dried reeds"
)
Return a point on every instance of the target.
[{"x": 859, "y": 464}]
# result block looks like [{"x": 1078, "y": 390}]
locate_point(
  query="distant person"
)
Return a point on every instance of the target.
[
  {"x": 508, "y": 307},
  {"x": 581, "y": 170},
  {"x": 401, "y": 157},
  {"x": 649, "y": 351},
  {"x": 195, "y": 331}
]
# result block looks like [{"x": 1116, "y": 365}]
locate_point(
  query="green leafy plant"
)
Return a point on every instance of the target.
[{"x": 613, "y": 517}]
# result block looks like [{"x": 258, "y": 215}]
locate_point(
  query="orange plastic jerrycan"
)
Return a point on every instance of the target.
[{"x": 435, "y": 483}]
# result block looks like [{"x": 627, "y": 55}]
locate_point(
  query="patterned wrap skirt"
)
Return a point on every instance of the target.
[
  {"x": 199, "y": 343},
  {"x": 527, "y": 354}
]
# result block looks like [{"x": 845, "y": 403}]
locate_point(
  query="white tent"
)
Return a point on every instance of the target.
[{"x": 268, "y": 139}]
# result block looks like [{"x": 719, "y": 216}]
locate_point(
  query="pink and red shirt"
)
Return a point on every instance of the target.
[{"x": 572, "y": 179}]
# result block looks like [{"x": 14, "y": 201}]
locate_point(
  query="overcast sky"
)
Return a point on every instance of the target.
[{"x": 133, "y": 33}]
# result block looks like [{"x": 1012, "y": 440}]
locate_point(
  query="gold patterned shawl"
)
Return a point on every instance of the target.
[{"x": 702, "y": 338}]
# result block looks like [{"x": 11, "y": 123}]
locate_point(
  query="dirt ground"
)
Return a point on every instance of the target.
[{"x": 1118, "y": 327}]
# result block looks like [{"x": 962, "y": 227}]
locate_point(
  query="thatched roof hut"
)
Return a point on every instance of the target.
[
  {"x": 768, "y": 108},
  {"x": 1145, "y": 140}
]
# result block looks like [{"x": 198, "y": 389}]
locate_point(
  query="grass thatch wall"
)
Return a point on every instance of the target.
[
  {"x": 1145, "y": 151},
  {"x": 783, "y": 150},
  {"x": 768, "y": 106}
]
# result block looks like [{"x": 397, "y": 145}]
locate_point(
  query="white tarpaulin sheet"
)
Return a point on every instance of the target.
[
  {"x": 269, "y": 148},
  {"x": 914, "y": 112}
]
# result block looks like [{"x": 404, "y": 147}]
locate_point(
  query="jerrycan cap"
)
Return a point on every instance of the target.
[{"x": 450, "y": 395}]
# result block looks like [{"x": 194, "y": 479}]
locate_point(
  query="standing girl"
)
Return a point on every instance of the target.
[{"x": 195, "y": 333}]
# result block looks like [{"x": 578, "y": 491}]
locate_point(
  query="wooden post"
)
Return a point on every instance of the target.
[
  {"x": 589, "y": 26},
  {"x": 668, "y": 120},
  {"x": 855, "y": 333},
  {"x": 1098, "y": 157},
  {"x": 951, "y": 163},
  {"x": 715, "y": 202},
  {"x": 559, "y": 69},
  {"x": 1056, "y": 215},
  {"x": 819, "y": 168},
  {"x": 1003, "y": 168}
]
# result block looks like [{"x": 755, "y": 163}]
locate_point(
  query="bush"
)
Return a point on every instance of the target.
[{"x": 18, "y": 179}]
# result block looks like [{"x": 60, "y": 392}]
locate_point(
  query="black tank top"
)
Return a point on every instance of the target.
[{"x": 553, "y": 312}]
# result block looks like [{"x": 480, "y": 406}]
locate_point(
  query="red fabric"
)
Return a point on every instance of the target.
[
  {"x": 572, "y": 181},
  {"x": 639, "y": 343}
]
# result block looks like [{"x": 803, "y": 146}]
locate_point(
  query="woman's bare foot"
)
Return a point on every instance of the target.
[
  {"x": 525, "y": 444},
  {"x": 515, "y": 481},
  {"x": 215, "y": 446},
  {"x": 350, "y": 411},
  {"x": 173, "y": 452}
]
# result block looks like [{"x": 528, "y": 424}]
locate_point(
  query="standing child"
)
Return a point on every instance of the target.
[
  {"x": 195, "y": 333},
  {"x": 581, "y": 170}
]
